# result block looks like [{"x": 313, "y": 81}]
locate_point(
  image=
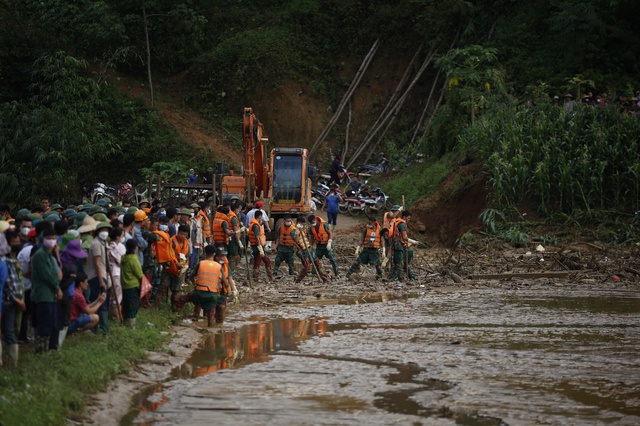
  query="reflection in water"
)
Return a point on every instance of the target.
[
  {"x": 250, "y": 343},
  {"x": 229, "y": 349}
]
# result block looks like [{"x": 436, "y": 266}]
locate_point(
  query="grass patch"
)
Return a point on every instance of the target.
[
  {"x": 45, "y": 388},
  {"x": 418, "y": 181}
]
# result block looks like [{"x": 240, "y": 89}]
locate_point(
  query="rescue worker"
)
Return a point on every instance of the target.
[
  {"x": 321, "y": 236},
  {"x": 402, "y": 251},
  {"x": 371, "y": 241},
  {"x": 285, "y": 244},
  {"x": 388, "y": 222},
  {"x": 307, "y": 255},
  {"x": 230, "y": 292},
  {"x": 205, "y": 223},
  {"x": 221, "y": 230},
  {"x": 235, "y": 240},
  {"x": 182, "y": 249},
  {"x": 169, "y": 277},
  {"x": 258, "y": 243},
  {"x": 210, "y": 286}
]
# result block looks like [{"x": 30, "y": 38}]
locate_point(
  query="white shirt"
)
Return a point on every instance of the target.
[
  {"x": 24, "y": 259},
  {"x": 252, "y": 213}
]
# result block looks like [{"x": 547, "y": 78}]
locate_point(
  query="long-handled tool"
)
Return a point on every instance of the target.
[{"x": 246, "y": 259}]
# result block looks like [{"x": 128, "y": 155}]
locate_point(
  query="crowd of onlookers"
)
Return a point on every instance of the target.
[
  {"x": 625, "y": 104},
  {"x": 67, "y": 269}
]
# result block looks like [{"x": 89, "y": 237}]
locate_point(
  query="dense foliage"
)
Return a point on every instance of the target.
[
  {"x": 588, "y": 159},
  {"x": 57, "y": 107}
]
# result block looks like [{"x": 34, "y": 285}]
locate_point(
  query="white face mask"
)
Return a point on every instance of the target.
[
  {"x": 164, "y": 227},
  {"x": 25, "y": 231},
  {"x": 313, "y": 224},
  {"x": 300, "y": 226},
  {"x": 287, "y": 223},
  {"x": 49, "y": 243},
  {"x": 103, "y": 235}
]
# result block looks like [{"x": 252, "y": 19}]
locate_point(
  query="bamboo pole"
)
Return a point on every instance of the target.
[
  {"x": 396, "y": 108},
  {"x": 346, "y": 137},
  {"x": 347, "y": 96}
]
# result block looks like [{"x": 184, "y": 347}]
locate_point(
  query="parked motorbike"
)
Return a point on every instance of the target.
[
  {"x": 382, "y": 167},
  {"x": 100, "y": 190}
]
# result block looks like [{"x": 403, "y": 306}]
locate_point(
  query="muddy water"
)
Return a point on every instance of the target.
[{"x": 490, "y": 357}]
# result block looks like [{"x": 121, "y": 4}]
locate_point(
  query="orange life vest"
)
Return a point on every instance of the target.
[
  {"x": 319, "y": 232},
  {"x": 219, "y": 234},
  {"x": 232, "y": 216},
  {"x": 165, "y": 253},
  {"x": 286, "y": 239},
  {"x": 398, "y": 235},
  {"x": 302, "y": 240},
  {"x": 388, "y": 223},
  {"x": 254, "y": 239},
  {"x": 209, "y": 276},
  {"x": 206, "y": 224},
  {"x": 372, "y": 237},
  {"x": 180, "y": 248}
]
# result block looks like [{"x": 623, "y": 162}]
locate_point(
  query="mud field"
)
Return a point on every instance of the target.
[{"x": 486, "y": 335}]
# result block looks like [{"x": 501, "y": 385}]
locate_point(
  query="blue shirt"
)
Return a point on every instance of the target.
[
  {"x": 332, "y": 203},
  {"x": 142, "y": 243}
]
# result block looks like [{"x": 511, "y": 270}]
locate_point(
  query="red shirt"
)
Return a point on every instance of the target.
[{"x": 78, "y": 304}]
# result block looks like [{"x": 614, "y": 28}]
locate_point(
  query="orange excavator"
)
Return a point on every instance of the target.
[{"x": 283, "y": 183}]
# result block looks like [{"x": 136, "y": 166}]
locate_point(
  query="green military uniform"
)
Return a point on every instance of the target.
[
  {"x": 369, "y": 254},
  {"x": 402, "y": 255},
  {"x": 323, "y": 251}
]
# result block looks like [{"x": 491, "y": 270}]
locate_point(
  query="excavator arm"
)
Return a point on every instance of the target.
[{"x": 255, "y": 168}]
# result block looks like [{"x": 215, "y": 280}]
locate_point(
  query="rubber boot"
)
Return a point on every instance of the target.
[
  {"x": 130, "y": 323},
  {"x": 291, "y": 271},
  {"x": 378, "y": 273},
  {"x": 219, "y": 312},
  {"x": 196, "y": 313},
  {"x": 269, "y": 274},
  {"x": 62, "y": 336},
  {"x": 211, "y": 317},
  {"x": 12, "y": 355},
  {"x": 103, "y": 324}
]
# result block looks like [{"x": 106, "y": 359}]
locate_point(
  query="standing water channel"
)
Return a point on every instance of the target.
[{"x": 481, "y": 357}]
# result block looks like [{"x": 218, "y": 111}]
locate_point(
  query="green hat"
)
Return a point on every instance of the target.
[
  {"x": 101, "y": 225},
  {"x": 132, "y": 209},
  {"x": 185, "y": 212},
  {"x": 87, "y": 207},
  {"x": 47, "y": 214},
  {"x": 221, "y": 251},
  {"x": 100, "y": 217},
  {"x": 72, "y": 206},
  {"x": 79, "y": 219},
  {"x": 144, "y": 200},
  {"x": 65, "y": 240},
  {"x": 22, "y": 213},
  {"x": 57, "y": 206},
  {"x": 395, "y": 208},
  {"x": 53, "y": 217},
  {"x": 102, "y": 202},
  {"x": 195, "y": 206},
  {"x": 70, "y": 213},
  {"x": 35, "y": 216},
  {"x": 120, "y": 209}
]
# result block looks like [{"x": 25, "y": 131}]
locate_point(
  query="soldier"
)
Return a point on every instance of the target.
[
  {"x": 371, "y": 241},
  {"x": 306, "y": 254},
  {"x": 285, "y": 244},
  {"x": 322, "y": 237},
  {"x": 210, "y": 288},
  {"x": 402, "y": 251},
  {"x": 258, "y": 242},
  {"x": 235, "y": 241}
]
